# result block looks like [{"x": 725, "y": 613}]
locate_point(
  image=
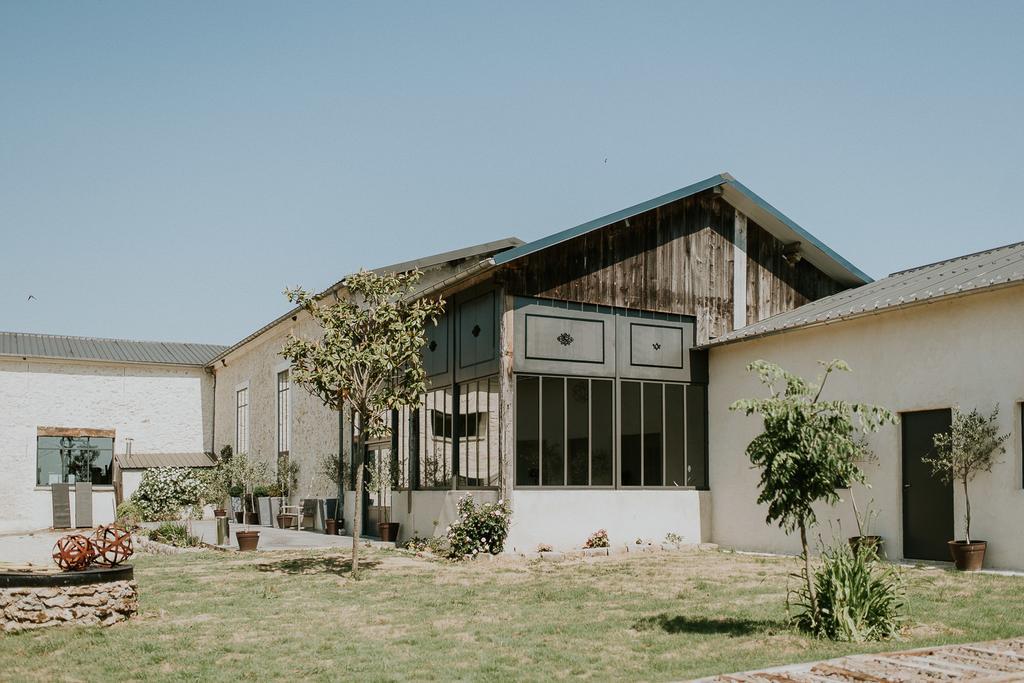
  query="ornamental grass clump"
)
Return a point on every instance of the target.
[
  {"x": 858, "y": 598},
  {"x": 480, "y": 529},
  {"x": 176, "y": 534}
]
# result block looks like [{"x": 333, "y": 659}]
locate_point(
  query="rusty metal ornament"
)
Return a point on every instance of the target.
[
  {"x": 73, "y": 552},
  {"x": 112, "y": 545}
]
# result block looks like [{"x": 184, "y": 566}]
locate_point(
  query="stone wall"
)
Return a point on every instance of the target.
[{"x": 98, "y": 603}]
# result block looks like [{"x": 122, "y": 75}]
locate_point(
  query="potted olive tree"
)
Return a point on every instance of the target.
[
  {"x": 287, "y": 482},
  {"x": 969, "y": 447},
  {"x": 248, "y": 473},
  {"x": 381, "y": 476}
]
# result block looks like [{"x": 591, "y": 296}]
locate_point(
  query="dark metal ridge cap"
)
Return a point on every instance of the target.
[
  {"x": 736, "y": 193},
  {"x": 605, "y": 221}
]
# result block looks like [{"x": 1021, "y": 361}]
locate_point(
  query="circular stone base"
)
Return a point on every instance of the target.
[{"x": 30, "y": 600}]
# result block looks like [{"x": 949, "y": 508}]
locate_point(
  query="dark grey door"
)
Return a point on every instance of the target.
[{"x": 927, "y": 501}]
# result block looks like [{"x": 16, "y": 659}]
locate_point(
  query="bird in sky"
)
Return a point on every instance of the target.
[{"x": 31, "y": 297}]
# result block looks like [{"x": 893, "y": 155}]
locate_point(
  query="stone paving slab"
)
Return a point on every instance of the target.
[{"x": 995, "y": 661}]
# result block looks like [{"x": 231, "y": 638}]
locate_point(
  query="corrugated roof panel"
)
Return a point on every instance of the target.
[
  {"x": 58, "y": 347},
  {"x": 974, "y": 272}
]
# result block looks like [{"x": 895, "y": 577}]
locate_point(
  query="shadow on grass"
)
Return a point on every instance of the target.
[
  {"x": 317, "y": 565},
  {"x": 728, "y": 626}
]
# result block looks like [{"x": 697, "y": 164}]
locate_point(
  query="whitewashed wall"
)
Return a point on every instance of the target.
[
  {"x": 160, "y": 408},
  {"x": 964, "y": 352},
  {"x": 564, "y": 519}
]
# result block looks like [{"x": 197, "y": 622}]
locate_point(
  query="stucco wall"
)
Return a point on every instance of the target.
[
  {"x": 314, "y": 428},
  {"x": 160, "y": 408},
  {"x": 564, "y": 519},
  {"x": 965, "y": 351}
]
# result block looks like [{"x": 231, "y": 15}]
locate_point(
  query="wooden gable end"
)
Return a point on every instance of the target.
[{"x": 677, "y": 258}]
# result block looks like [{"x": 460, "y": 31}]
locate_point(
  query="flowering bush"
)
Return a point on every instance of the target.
[
  {"x": 544, "y": 548},
  {"x": 479, "y": 529},
  {"x": 164, "y": 491},
  {"x": 598, "y": 539}
]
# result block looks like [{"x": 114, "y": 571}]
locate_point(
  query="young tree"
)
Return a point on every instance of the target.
[
  {"x": 808, "y": 449},
  {"x": 969, "y": 447},
  {"x": 368, "y": 356}
]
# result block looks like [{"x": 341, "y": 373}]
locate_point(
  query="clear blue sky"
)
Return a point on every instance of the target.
[{"x": 166, "y": 169}]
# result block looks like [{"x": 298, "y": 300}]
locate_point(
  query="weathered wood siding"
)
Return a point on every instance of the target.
[
  {"x": 773, "y": 285},
  {"x": 677, "y": 258}
]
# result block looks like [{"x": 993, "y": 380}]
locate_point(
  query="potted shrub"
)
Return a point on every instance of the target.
[
  {"x": 381, "y": 475},
  {"x": 218, "y": 482},
  {"x": 235, "y": 493},
  {"x": 261, "y": 498},
  {"x": 969, "y": 447},
  {"x": 330, "y": 478},
  {"x": 248, "y": 539},
  {"x": 287, "y": 482}
]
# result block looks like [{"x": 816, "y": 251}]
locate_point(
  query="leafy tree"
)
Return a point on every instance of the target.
[
  {"x": 368, "y": 356},
  {"x": 969, "y": 447},
  {"x": 808, "y": 449}
]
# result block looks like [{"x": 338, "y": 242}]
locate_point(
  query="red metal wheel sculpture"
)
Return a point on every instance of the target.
[
  {"x": 73, "y": 552},
  {"x": 112, "y": 545}
]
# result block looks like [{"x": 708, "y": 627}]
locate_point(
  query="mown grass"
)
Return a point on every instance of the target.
[{"x": 297, "y": 616}]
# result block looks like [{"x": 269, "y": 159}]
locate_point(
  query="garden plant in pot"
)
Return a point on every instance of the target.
[
  {"x": 381, "y": 478},
  {"x": 248, "y": 474},
  {"x": 860, "y": 456},
  {"x": 218, "y": 482},
  {"x": 969, "y": 447},
  {"x": 287, "y": 481},
  {"x": 330, "y": 479}
]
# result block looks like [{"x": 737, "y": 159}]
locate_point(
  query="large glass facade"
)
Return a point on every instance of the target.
[
  {"x": 563, "y": 431},
  {"x": 70, "y": 459},
  {"x": 566, "y": 433}
]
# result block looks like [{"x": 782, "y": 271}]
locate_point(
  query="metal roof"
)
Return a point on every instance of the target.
[
  {"x": 479, "y": 250},
  {"x": 982, "y": 271},
  {"x": 736, "y": 193},
  {"x": 135, "y": 461},
  {"x": 60, "y": 347}
]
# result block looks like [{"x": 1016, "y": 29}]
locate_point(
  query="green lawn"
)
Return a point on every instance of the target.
[{"x": 296, "y": 616}]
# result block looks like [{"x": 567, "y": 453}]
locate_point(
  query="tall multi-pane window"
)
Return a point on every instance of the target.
[
  {"x": 566, "y": 433},
  {"x": 662, "y": 435},
  {"x": 283, "y": 432},
  {"x": 242, "y": 420},
  {"x": 563, "y": 431}
]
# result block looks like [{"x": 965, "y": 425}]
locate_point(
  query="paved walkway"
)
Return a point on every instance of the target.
[
  {"x": 272, "y": 538},
  {"x": 991, "y": 662}
]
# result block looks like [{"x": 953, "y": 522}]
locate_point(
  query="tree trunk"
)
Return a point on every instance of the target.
[
  {"x": 357, "y": 518},
  {"x": 967, "y": 519},
  {"x": 807, "y": 573}
]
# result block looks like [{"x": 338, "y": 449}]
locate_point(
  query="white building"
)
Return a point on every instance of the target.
[{"x": 69, "y": 404}]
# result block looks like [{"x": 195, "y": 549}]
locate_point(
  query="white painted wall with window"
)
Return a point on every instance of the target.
[{"x": 161, "y": 408}]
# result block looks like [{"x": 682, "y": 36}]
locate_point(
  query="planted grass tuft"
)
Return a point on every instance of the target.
[{"x": 663, "y": 616}]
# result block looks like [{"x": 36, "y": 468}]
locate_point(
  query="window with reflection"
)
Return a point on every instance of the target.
[
  {"x": 70, "y": 459},
  {"x": 563, "y": 431}
]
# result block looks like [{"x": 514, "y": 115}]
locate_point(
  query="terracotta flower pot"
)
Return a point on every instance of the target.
[
  {"x": 285, "y": 521},
  {"x": 968, "y": 557},
  {"x": 220, "y": 512},
  {"x": 388, "y": 531},
  {"x": 247, "y": 540},
  {"x": 331, "y": 527}
]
